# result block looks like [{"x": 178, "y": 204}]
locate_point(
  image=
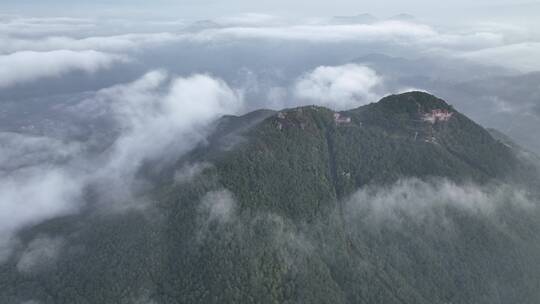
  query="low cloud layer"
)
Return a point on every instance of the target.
[
  {"x": 398, "y": 32},
  {"x": 27, "y": 66},
  {"x": 494, "y": 40},
  {"x": 111, "y": 43}
]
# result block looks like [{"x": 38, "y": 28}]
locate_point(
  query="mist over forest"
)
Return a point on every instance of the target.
[{"x": 186, "y": 152}]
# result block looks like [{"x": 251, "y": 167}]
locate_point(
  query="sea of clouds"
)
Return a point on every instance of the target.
[{"x": 87, "y": 102}]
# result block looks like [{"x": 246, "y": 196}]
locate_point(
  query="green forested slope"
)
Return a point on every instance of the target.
[{"x": 274, "y": 218}]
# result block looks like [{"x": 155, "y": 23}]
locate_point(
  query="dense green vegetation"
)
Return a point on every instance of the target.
[{"x": 282, "y": 231}]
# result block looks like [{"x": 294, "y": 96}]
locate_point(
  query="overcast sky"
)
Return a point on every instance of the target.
[{"x": 200, "y": 9}]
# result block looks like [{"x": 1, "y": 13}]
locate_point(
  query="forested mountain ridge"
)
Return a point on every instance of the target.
[{"x": 401, "y": 201}]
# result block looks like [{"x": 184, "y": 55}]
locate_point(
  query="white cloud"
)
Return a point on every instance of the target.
[
  {"x": 418, "y": 200},
  {"x": 115, "y": 43},
  {"x": 158, "y": 115},
  {"x": 28, "y": 66},
  {"x": 524, "y": 57},
  {"x": 400, "y": 33},
  {"x": 510, "y": 32},
  {"x": 389, "y": 30},
  {"x": 339, "y": 87},
  {"x": 32, "y": 195},
  {"x": 257, "y": 26},
  {"x": 34, "y": 186}
]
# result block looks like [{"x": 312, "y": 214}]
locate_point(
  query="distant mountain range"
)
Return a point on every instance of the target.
[
  {"x": 368, "y": 19},
  {"x": 401, "y": 201}
]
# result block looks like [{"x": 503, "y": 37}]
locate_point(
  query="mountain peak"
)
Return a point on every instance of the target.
[
  {"x": 410, "y": 134},
  {"x": 417, "y": 99},
  {"x": 402, "y": 112}
]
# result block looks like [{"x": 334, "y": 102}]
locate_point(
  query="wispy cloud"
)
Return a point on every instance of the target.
[
  {"x": 188, "y": 172},
  {"x": 158, "y": 114},
  {"x": 218, "y": 206},
  {"x": 427, "y": 201},
  {"x": 159, "y": 117},
  {"x": 41, "y": 252}
]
